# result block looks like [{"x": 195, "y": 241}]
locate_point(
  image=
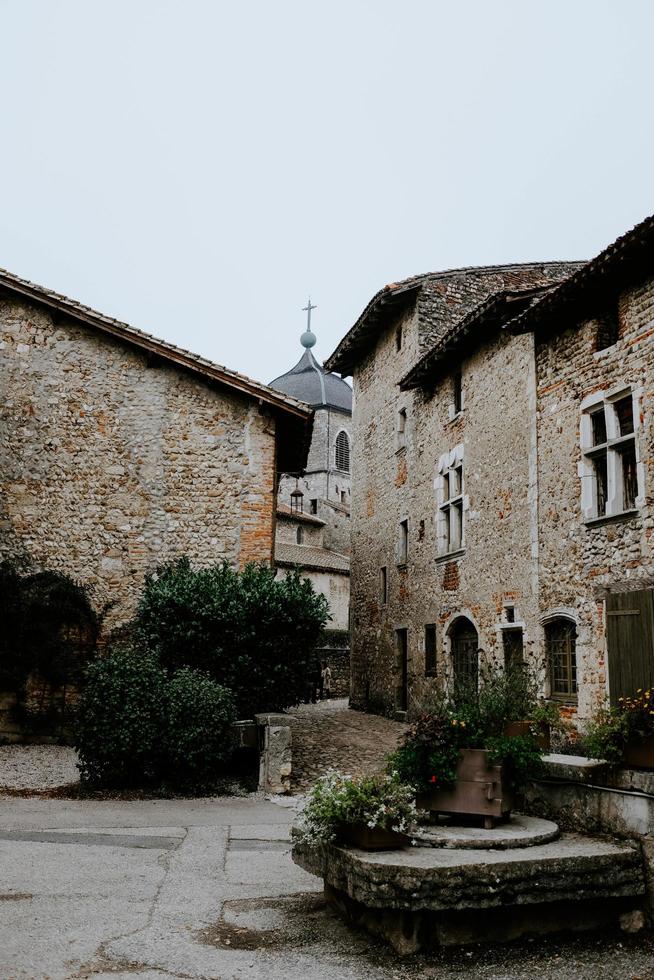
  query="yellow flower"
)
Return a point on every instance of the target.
[
  {"x": 454, "y": 721},
  {"x": 463, "y": 724}
]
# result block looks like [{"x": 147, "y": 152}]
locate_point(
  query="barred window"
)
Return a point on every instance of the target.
[
  {"x": 343, "y": 452},
  {"x": 464, "y": 645},
  {"x": 561, "y": 650}
]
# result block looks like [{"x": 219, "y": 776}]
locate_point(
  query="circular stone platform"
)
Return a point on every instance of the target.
[{"x": 518, "y": 831}]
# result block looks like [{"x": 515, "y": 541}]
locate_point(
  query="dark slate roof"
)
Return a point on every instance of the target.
[
  {"x": 627, "y": 261},
  {"x": 480, "y": 323},
  {"x": 309, "y": 382},
  {"x": 311, "y": 559},
  {"x": 442, "y": 298},
  {"x": 295, "y": 419}
]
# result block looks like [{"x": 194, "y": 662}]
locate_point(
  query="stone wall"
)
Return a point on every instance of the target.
[
  {"x": 580, "y": 562},
  {"x": 113, "y": 461},
  {"x": 496, "y": 431}
]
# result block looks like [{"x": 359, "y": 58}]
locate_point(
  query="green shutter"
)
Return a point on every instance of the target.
[{"x": 630, "y": 642}]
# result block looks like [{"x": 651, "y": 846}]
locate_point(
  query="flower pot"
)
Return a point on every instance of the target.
[
  {"x": 541, "y": 730},
  {"x": 639, "y": 753},
  {"x": 478, "y": 790},
  {"x": 371, "y": 838}
]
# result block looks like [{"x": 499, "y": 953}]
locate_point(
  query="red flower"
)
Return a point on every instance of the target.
[{"x": 434, "y": 779}]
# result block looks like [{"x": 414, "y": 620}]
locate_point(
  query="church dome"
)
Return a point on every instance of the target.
[{"x": 309, "y": 381}]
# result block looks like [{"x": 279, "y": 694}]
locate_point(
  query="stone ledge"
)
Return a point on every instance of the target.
[
  {"x": 575, "y": 768},
  {"x": 571, "y": 869}
]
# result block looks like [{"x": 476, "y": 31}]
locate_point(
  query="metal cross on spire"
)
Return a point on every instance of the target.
[{"x": 308, "y": 309}]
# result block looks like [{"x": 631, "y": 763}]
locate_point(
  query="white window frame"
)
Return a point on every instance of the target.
[
  {"x": 451, "y": 477},
  {"x": 615, "y": 505}
]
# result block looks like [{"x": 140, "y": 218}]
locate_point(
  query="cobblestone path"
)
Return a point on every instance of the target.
[{"x": 329, "y": 735}]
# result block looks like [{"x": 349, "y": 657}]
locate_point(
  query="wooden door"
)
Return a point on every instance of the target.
[{"x": 630, "y": 642}]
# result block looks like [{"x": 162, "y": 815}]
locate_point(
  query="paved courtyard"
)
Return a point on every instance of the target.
[{"x": 207, "y": 889}]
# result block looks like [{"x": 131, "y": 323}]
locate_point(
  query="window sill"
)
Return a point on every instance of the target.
[
  {"x": 625, "y": 515},
  {"x": 456, "y": 416},
  {"x": 400, "y": 450},
  {"x": 450, "y": 555},
  {"x": 401, "y": 565}
]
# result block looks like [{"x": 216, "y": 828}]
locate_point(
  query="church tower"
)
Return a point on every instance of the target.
[{"x": 323, "y": 491}]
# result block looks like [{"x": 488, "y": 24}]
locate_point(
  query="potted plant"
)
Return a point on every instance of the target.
[
  {"x": 624, "y": 735},
  {"x": 372, "y": 812},
  {"x": 460, "y": 758}
]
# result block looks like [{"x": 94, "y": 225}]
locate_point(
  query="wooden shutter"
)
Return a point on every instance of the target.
[{"x": 630, "y": 642}]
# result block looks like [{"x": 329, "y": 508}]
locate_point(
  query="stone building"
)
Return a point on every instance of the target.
[
  {"x": 313, "y": 508},
  {"x": 444, "y": 488},
  {"x": 503, "y": 503},
  {"x": 119, "y": 451}
]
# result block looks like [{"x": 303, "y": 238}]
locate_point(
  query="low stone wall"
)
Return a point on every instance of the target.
[{"x": 587, "y": 796}]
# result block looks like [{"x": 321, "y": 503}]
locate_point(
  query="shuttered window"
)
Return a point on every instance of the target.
[
  {"x": 342, "y": 452},
  {"x": 630, "y": 642}
]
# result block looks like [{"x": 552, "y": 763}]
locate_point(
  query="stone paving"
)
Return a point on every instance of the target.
[{"x": 329, "y": 735}]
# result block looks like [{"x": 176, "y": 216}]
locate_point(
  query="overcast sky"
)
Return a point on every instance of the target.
[{"x": 197, "y": 167}]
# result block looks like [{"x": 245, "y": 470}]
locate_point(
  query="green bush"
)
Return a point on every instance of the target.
[
  {"x": 250, "y": 632},
  {"x": 198, "y": 736},
  {"x": 138, "y": 727},
  {"x": 120, "y": 721}
]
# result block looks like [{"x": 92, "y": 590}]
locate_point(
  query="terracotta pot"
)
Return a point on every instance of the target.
[
  {"x": 525, "y": 727},
  {"x": 371, "y": 838},
  {"x": 478, "y": 790},
  {"x": 640, "y": 753}
]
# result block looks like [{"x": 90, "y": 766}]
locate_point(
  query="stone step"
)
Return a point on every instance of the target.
[{"x": 421, "y": 895}]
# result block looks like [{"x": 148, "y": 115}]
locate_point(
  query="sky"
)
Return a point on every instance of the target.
[{"x": 199, "y": 167}]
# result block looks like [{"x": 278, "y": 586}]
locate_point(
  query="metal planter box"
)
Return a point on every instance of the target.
[{"x": 478, "y": 791}]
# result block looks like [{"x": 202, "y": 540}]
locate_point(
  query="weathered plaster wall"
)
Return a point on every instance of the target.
[
  {"x": 335, "y": 586},
  {"x": 112, "y": 463},
  {"x": 579, "y": 562}
]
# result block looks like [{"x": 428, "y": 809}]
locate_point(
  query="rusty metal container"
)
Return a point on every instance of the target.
[{"x": 478, "y": 791}]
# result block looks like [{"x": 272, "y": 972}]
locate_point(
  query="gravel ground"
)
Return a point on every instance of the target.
[
  {"x": 37, "y": 767},
  {"x": 329, "y": 735}
]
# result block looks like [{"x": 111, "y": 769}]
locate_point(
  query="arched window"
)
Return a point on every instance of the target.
[
  {"x": 561, "y": 650},
  {"x": 299, "y": 535},
  {"x": 343, "y": 452},
  {"x": 464, "y": 647}
]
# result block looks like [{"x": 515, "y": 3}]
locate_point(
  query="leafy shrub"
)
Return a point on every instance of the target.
[
  {"x": 429, "y": 751},
  {"x": 250, "y": 632},
  {"x": 198, "y": 736},
  {"x": 138, "y": 727},
  {"x": 611, "y": 729},
  {"x": 120, "y": 720},
  {"x": 376, "y": 801},
  {"x": 519, "y": 755}
]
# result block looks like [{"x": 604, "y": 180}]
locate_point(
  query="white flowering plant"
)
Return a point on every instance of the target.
[{"x": 335, "y": 800}]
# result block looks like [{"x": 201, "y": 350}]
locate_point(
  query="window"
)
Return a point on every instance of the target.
[
  {"x": 299, "y": 535},
  {"x": 401, "y": 428},
  {"x": 561, "y": 651},
  {"x": 608, "y": 329},
  {"x": 403, "y": 543},
  {"x": 509, "y": 613},
  {"x": 464, "y": 647},
  {"x": 383, "y": 585},
  {"x": 457, "y": 392},
  {"x": 313, "y": 506},
  {"x": 343, "y": 496},
  {"x": 450, "y": 502},
  {"x": 513, "y": 645},
  {"x": 343, "y": 452},
  {"x": 398, "y": 339},
  {"x": 609, "y": 470},
  {"x": 430, "y": 650}
]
